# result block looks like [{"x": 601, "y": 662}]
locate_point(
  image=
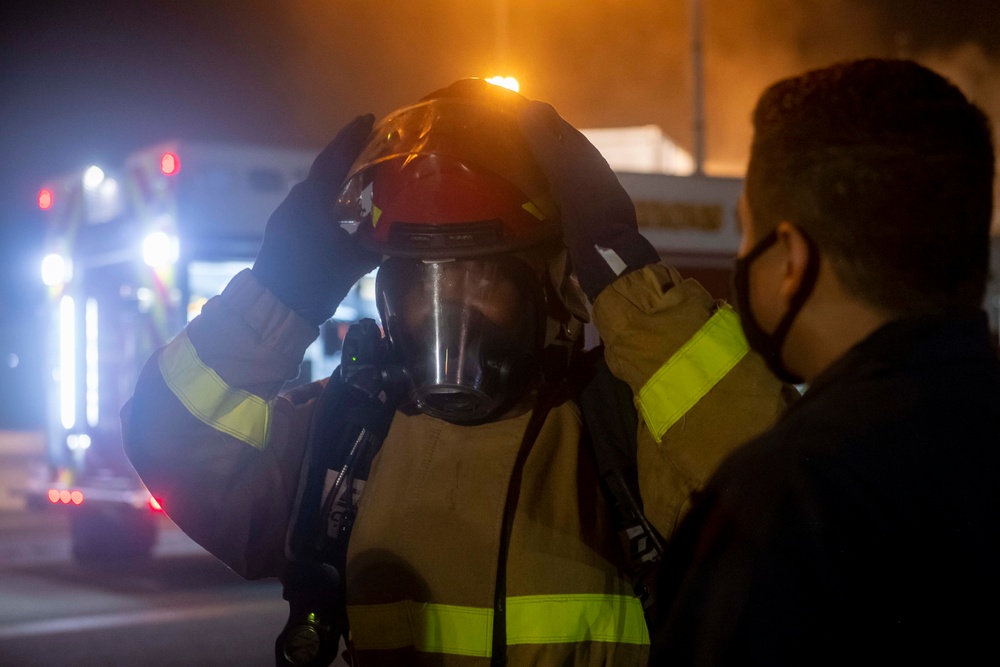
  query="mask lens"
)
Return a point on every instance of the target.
[{"x": 460, "y": 327}]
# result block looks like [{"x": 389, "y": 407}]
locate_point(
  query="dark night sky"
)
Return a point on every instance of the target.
[{"x": 88, "y": 82}]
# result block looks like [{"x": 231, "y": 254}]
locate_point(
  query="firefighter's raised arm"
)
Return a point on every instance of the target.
[
  {"x": 205, "y": 428},
  {"x": 698, "y": 392},
  {"x": 306, "y": 259},
  {"x": 598, "y": 217}
]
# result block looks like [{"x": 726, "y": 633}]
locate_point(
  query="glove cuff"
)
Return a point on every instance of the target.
[
  {"x": 600, "y": 264},
  {"x": 314, "y": 303}
]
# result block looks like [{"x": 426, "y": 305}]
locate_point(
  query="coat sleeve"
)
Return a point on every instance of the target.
[
  {"x": 698, "y": 389},
  {"x": 209, "y": 435}
]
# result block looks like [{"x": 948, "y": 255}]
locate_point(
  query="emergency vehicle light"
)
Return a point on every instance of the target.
[
  {"x": 93, "y": 177},
  {"x": 170, "y": 164},
  {"x": 508, "y": 82},
  {"x": 78, "y": 441},
  {"x": 67, "y": 362},
  {"x": 91, "y": 380},
  {"x": 45, "y": 199},
  {"x": 160, "y": 249},
  {"x": 56, "y": 270},
  {"x": 65, "y": 497}
]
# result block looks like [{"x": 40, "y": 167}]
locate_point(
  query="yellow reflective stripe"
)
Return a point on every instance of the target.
[
  {"x": 241, "y": 414},
  {"x": 692, "y": 371},
  {"x": 531, "y": 619},
  {"x": 533, "y": 209},
  {"x": 560, "y": 619},
  {"x": 432, "y": 628}
]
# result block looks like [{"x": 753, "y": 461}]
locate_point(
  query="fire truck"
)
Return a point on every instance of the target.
[{"x": 131, "y": 256}]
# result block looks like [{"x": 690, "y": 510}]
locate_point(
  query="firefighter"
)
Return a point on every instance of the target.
[{"x": 482, "y": 535}]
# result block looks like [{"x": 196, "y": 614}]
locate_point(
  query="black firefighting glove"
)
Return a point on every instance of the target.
[
  {"x": 306, "y": 259},
  {"x": 598, "y": 217}
]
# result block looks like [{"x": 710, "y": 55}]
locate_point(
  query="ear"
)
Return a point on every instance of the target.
[{"x": 795, "y": 249}]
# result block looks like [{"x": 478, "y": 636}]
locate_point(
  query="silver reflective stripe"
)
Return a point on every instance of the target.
[
  {"x": 238, "y": 413},
  {"x": 613, "y": 259}
]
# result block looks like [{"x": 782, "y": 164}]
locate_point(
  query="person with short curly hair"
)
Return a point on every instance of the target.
[{"x": 864, "y": 527}]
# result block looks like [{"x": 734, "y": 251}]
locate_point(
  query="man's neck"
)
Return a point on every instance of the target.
[{"x": 828, "y": 332}]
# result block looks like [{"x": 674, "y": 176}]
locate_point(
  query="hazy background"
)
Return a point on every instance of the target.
[{"x": 88, "y": 82}]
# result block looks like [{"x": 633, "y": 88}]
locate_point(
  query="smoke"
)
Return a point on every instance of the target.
[
  {"x": 609, "y": 63},
  {"x": 750, "y": 45}
]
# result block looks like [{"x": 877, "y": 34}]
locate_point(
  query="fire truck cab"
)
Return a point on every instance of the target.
[{"x": 132, "y": 255}]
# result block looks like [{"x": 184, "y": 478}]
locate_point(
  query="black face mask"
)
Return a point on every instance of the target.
[{"x": 768, "y": 345}]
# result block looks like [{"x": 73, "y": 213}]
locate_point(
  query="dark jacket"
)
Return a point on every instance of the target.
[{"x": 864, "y": 528}]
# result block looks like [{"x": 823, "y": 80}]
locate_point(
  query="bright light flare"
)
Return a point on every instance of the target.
[
  {"x": 93, "y": 177},
  {"x": 91, "y": 379},
  {"x": 56, "y": 270},
  {"x": 67, "y": 362},
  {"x": 155, "y": 504},
  {"x": 508, "y": 82},
  {"x": 160, "y": 249},
  {"x": 45, "y": 199},
  {"x": 78, "y": 441}
]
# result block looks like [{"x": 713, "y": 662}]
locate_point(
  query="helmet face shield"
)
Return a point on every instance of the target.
[
  {"x": 468, "y": 331},
  {"x": 482, "y": 132}
]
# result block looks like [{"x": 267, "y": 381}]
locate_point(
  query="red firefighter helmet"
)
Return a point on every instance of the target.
[{"x": 449, "y": 177}]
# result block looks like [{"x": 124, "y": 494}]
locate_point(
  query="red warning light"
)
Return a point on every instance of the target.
[
  {"x": 64, "y": 497},
  {"x": 76, "y": 497},
  {"x": 170, "y": 164},
  {"x": 45, "y": 199},
  {"x": 155, "y": 505},
  {"x": 53, "y": 495}
]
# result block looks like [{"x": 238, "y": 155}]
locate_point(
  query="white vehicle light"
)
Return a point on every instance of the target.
[
  {"x": 78, "y": 441},
  {"x": 56, "y": 270},
  {"x": 160, "y": 249},
  {"x": 93, "y": 177},
  {"x": 67, "y": 362},
  {"x": 92, "y": 395}
]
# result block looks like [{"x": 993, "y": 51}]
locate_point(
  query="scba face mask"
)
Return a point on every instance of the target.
[{"x": 469, "y": 332}]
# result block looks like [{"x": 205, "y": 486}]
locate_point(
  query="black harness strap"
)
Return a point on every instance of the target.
[{"x": 534, "y": 427}]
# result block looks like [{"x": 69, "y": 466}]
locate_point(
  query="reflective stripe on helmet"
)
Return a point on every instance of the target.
[
  {"x": 692, "y": 371},
  {"x": 238, "y": 413},
  {"x": 531, "y": 619}
]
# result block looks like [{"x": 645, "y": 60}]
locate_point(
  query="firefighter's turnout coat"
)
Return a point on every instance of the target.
[{"x": 209, "y": 434}]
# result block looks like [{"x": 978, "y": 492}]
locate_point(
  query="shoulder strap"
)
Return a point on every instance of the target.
[
  {"x": 612, "y": 425},
  {"x": 547, "y": 397}
]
